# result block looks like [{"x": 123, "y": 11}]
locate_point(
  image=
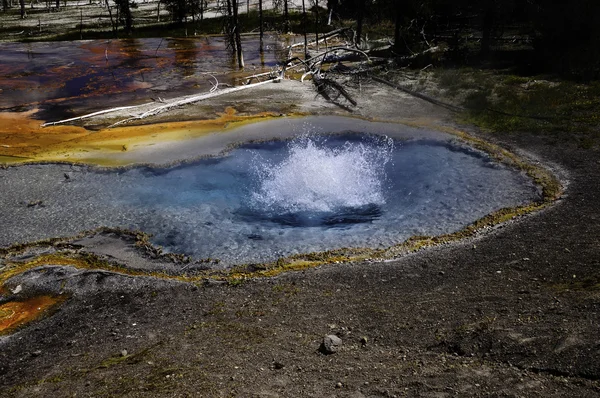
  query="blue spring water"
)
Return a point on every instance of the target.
[{"x": 266, "y": 200}]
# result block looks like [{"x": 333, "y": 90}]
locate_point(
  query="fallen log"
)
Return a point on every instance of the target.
[
  {"x": 189, "y": 100},
  {"x": 314, "y": 60},
  {"x": 73, "y": 119},
  {"x": 322, "y": 38},
  {"x": 214, "y": 92}
]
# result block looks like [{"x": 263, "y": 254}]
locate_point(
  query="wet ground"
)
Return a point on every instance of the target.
[{"x": 67, "y": 79}]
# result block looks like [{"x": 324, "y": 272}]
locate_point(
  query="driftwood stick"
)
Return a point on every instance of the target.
[
  {"x": 310, "y": 43},
  {"x": 324, "y": 37},
  {"x": 322, "y": 54},
  {"x": 271, "y": 74},
  {"x": 189, "y": 100},
  {"x": 317, "y": 63},
  {"x": 121, "y": 108}
]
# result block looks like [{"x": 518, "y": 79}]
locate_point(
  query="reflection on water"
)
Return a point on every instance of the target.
[{"x": 70, "y": 77}]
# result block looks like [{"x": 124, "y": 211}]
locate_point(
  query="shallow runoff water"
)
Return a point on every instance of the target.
[
  {"x": 66, "y": 79},
  {"x": 262, "y": 201}
]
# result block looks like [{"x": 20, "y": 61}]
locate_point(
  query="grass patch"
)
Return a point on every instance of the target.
[
  {"x": 587, "y": 284},
  {"x": 500, "y": 102}
]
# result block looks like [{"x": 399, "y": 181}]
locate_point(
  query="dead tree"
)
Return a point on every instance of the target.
[
  {"x": 238, "y": 39},
  {"x": 398, "y": 30},
  {"x": 228, "y": 27},
  {"x": 23, "y": 13},
  {"x": 286, "y": 17},
  {"x": 304, "y": 29},
  {"x": 260, "y": 22},
  {"x": 125, "y": 15},
  {"x": 317, "y": 23},
  {"x": 359, "y": 21}
]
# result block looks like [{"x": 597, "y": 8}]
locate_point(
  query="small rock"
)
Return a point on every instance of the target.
[
  {"x": 330, "y": 344},
  {"x": 278, "y": 365},
  {"x": 36, "y": 353},
  {"x": 35, "y": 203},
  {"x": 123, "y": 353},
  {"x": 213, "y": 282},
  {"x": 339, "y": 385},
  {"x": 17, "y": 289},
  {"x": 364, "y": 340}
]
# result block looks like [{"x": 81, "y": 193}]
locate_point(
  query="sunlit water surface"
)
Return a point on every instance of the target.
[{"x": 264, "y": 201}]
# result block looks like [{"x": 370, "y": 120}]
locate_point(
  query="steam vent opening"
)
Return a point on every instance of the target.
[{"x": 330, "y": 183}]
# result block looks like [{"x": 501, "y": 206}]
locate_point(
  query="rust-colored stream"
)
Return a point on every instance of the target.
[{"x": 17, "y": 313}]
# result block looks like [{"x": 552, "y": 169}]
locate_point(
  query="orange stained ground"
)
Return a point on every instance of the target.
[
  {"x": 22, "y": 139},
  {"x": 16, "y": 313}
]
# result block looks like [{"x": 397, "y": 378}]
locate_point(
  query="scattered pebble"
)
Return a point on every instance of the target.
[{"x": 330, "y": 344}]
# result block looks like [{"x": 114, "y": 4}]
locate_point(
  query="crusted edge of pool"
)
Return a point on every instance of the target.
[{"x": 64, "y": 254}]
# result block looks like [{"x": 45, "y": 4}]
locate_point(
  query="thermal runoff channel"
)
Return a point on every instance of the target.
[{"x": 267, "y": 200}]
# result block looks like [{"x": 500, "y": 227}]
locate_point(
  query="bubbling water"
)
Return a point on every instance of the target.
[
  {"x": 319, "y": 177},
  {"x": 263, "y": 201}
]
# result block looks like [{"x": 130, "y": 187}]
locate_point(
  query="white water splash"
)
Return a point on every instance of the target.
[{"x": 315, "y": 177}]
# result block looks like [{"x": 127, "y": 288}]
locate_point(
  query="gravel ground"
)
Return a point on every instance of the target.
[{"x": 513, "y": 312}]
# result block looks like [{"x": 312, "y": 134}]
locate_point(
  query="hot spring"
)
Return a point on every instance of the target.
[{"x": 274, "y": 198}]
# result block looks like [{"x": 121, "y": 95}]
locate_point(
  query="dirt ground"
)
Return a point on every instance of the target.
[{"x": 513, "y": 312}]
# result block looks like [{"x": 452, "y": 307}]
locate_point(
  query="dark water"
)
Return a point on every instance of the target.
[{"x": 263, "y": 201}]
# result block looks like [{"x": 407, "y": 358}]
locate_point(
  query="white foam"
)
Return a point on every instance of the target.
[{"x": 315, "y": 177}]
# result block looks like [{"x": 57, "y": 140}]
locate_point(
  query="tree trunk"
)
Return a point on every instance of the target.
[
  {"x": 486, "y": 29},
  {"x": 128, "y": 17},
  {"x": 286, "y": 17},
  {"x": 112, "y": 22},
  {"x": 229, "y": 28},
  {"x": 398, "y": 31},
  {"x": 238, "y": 39},
  {"x": 317, "y": 23},
  {"x": 359, "y": 21},
  {"x": 23, "y": 13},
  {"x": 260, "y": 22},
  {"x": 304, "y": 29}
]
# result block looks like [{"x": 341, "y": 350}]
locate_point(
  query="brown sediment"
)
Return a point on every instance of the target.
[
  {"x": 17, "y": 313},
  {"x": 22, "y": 139}
]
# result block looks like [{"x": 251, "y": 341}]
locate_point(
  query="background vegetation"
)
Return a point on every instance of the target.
[{"x": 514, "y": 65}]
